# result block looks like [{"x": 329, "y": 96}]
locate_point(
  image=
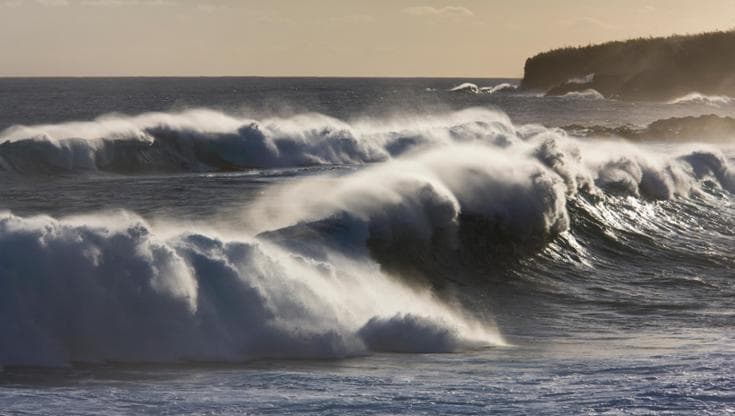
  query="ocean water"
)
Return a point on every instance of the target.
[{"x": 358, "y": 246}]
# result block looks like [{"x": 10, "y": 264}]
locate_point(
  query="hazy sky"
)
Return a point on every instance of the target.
[{"x": 323, "y": 37}]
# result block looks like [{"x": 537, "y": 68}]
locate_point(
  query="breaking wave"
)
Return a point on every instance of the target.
[
  {"x": 588, "y": 94},
  {"x": 327, "y": 266},
  {"x": 697, "y": 98},
  {"x": 82, "y": 290},
  {"x": 582, "y": 80},
  {"x": 204, "y": 140},
  {"x": 474, "y": 89}
]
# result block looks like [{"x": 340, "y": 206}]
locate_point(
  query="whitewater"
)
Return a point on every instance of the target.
[{"x": 359, "y": 247}]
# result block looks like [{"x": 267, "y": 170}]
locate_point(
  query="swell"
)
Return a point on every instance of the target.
[{"x": 342, "y": 265}]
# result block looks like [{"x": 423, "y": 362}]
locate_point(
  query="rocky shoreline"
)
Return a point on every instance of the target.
[{"x": 702, "y": 128}]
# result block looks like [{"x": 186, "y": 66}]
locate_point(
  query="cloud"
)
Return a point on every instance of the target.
[{"x": 447, "y": 11}]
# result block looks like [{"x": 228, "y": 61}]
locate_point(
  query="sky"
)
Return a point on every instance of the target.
[{"x": 468, "y": 38}]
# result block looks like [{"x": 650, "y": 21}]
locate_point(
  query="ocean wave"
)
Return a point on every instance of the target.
[
  {"x": 466, "y": 87},
  {"x": 111, "y": 288},
  {"x": 438, "y": 211},
  {"x": 498, "y": 88},
  {"x": 697, "y": 98},
  {"x": 474, "y": 89},
  {"x": 205, "y": 140},
  {"x": 588, "y": 94},
  {"x": 344, "y": 271},
  {"x": 449, "y": 211},
  {"x": 582, "y": 80}
]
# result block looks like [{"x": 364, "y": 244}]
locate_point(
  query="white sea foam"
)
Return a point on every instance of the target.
[
  {"x": 204, "y": 140},
  {"x": 582, "y": 80},
  {"x": 497, "y": 88},
  {"x": 199, "y": 140},
  {"x": 111, "y": 288},
  {"x": 697, "y": 98},
  {"x": 588, "y": 94},
  {"x": 467, "y": 87},
  {"x": 474, "y": 89}
]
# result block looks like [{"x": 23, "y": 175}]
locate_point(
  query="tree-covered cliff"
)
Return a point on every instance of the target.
[{"x": 639, "y": 69}]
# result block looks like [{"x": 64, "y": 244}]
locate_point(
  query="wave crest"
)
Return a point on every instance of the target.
[
  {"x": 474, "y": 89},
  {"x": 698, "y": 98},
  {"x": 204, "y": 140},
  {"x": 588, "y": 94}
]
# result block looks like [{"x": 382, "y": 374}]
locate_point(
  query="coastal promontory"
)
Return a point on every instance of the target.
[{"x": 639, "y": 69}]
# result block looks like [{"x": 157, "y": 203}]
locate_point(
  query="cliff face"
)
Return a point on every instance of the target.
[{"x": 639, "y": 69}]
